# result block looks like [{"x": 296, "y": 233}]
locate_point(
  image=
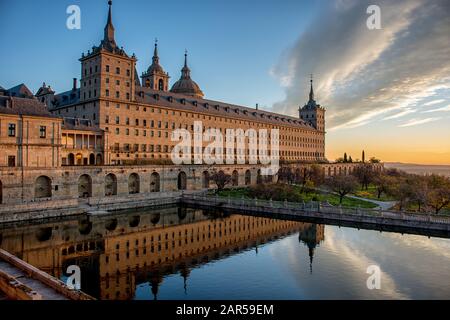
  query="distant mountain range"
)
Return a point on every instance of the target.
[{"x": 420, "y": 168}]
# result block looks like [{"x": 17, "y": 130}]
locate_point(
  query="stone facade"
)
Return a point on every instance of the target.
[{"x": 112, "y": 137}]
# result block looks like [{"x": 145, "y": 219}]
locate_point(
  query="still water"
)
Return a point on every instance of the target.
[{"x": 181, "y": 253}]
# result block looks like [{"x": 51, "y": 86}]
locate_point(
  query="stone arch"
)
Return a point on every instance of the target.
[
  {"x": 235, "y": 178},
  {"x": 334, "y": 171},
  {"x": 340, "y": 170},
  {"x": 1, "y": 192},
  {"x": 110, "y": 185},
  {"x": 329, "y": 171},
  {"x": 133, "y": 183},
  {"x": 205, "y": 179},
  {"x": 99, "y": 159},
  {"x": 345, "y": 171},
  {"x": 248, "y": 177},
  {"x": 85, "y": 186},
  {"x": 182, "y": 181},
  {"x": 43, "y": 187},
  {"x": 71, "y": 159},
  {"x": 92, "y": 159},
  {"x": 298, "y": 175},
  {"x": 155, "y": 182}
]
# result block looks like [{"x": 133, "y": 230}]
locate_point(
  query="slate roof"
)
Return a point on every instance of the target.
[
  {"x": 79, "y": 124},
  {"x": 147, "y": 95},
  {"x": 23, "y": 106}
]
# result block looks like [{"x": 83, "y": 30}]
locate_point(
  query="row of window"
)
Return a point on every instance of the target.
[
  {"x": 12, "y": 130},
  {"x": 107, "y": 69}
]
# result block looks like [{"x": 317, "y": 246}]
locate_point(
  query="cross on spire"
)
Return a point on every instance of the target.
[{"x": 311, "y": 92}]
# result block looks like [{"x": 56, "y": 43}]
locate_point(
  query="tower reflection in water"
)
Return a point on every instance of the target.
[{"x": 119, "y": 251}]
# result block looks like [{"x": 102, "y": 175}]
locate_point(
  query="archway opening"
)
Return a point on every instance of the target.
[
  {"x": 84, "y": 186},
  {"x": 71, "y": 159},
  {"x": 99, "y": 160},
  {"x": 43, "y": 187},
  {"x": 92, "y": 159},
  {"x": 182, "y": 181},
  {"x": 235, "y": 178},
  {"x": 133, "y": 183},
  {"x": 248, "y": 177},
  {"x": 155, "y": 182},
  {"x": 205, "y": 179},
  {"x": 110, "y": 185}
]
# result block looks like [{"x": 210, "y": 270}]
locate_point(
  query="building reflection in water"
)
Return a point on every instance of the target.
[{"x": 119, "y": 251}]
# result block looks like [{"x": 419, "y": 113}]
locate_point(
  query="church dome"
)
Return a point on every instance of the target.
[{"x": 186, "y": 85}]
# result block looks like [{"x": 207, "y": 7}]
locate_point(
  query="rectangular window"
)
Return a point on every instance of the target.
[
  {"x": 42, "y": 131},
  {"x": 107, "y": 119},
  {"x": 127, "y": 121},
  {"x": 117, "y": 120},
  {"x": 137, "y": 122},
  {"x": 107, "y": 80},
  {"x": 144, "y": 122},
  {"x": 117, "y": 131},
  {"x": 118, "y": 82},
  {"x": 127, "y": 132},
  {"x": 128, "y": 72},
  {"x": 117, "y": 70},
  {"x": 11, "y": 161},
  {"x": 107, "y": 68},
  {"x": 12, "y": 130},
  {"x": 117, "y": 94},
  {"x": 107, "y": 92}
]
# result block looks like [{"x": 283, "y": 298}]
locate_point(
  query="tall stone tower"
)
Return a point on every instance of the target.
[
  {"x": 155, "y": 77},
  {"x": 312, "y": 112},
  {"x": 107, "y": 71}
]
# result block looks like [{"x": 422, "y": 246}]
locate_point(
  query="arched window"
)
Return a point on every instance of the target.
[
  {"x": 133, "y": 183},
  {"x": 110, "y": 185},
  {"x": 161, "y": 85},
  {"x": 84, "y": 186},
  {"x": 155, "y": 182},
  {"x": 182, "y": 181},
  {"x": 43, "y": 187}
]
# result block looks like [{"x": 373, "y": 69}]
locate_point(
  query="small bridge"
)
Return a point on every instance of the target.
[
  {"x": 21, "y": 281},
  {"x": 378, "y": 219}
]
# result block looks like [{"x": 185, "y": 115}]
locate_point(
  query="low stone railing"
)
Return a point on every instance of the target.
[{"x": 314, "y": 208}]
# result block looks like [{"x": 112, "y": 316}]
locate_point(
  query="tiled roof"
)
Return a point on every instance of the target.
[{"x": 65, "y": 98}]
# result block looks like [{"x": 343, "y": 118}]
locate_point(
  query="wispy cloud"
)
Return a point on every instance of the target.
[
  {"x": 447, "y": 108},
  {"x": 434, "y": 102},
  {"x": 415, "y": 122},
  {"x": 364, "y": 74},
  {"x": 400, "y": 114}
]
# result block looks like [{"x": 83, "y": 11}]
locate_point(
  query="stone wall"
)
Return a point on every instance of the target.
[{"x": 22, "y": 187}]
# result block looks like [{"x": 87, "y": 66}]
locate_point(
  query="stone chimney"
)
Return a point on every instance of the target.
[{"x": 74, "y": 84}]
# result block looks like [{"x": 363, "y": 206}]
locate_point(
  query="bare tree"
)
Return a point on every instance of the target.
[
  {"x": 342, "y": 185},
  {"x": 221, "y": 179}
]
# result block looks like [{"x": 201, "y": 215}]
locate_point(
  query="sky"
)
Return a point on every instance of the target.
[{"x": 386, "y": 91}]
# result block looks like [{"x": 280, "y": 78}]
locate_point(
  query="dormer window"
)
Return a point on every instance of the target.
[
  {"x": 217, "y": 107},
  {"x": 183, "y": 101},
  {"x": 170, "y": 98},
  {"x": 194, "y": 103},
  {"x": 206, "y": 105},
  {"x": 156, "y": 96}
]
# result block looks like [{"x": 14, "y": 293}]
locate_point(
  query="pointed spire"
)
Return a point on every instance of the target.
[
  {"x": 109, "y": 28},
  {"x": 155, "y": 58},
  {"x": 185, "y": 72},
  {"x": 311, "y": 92}
]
